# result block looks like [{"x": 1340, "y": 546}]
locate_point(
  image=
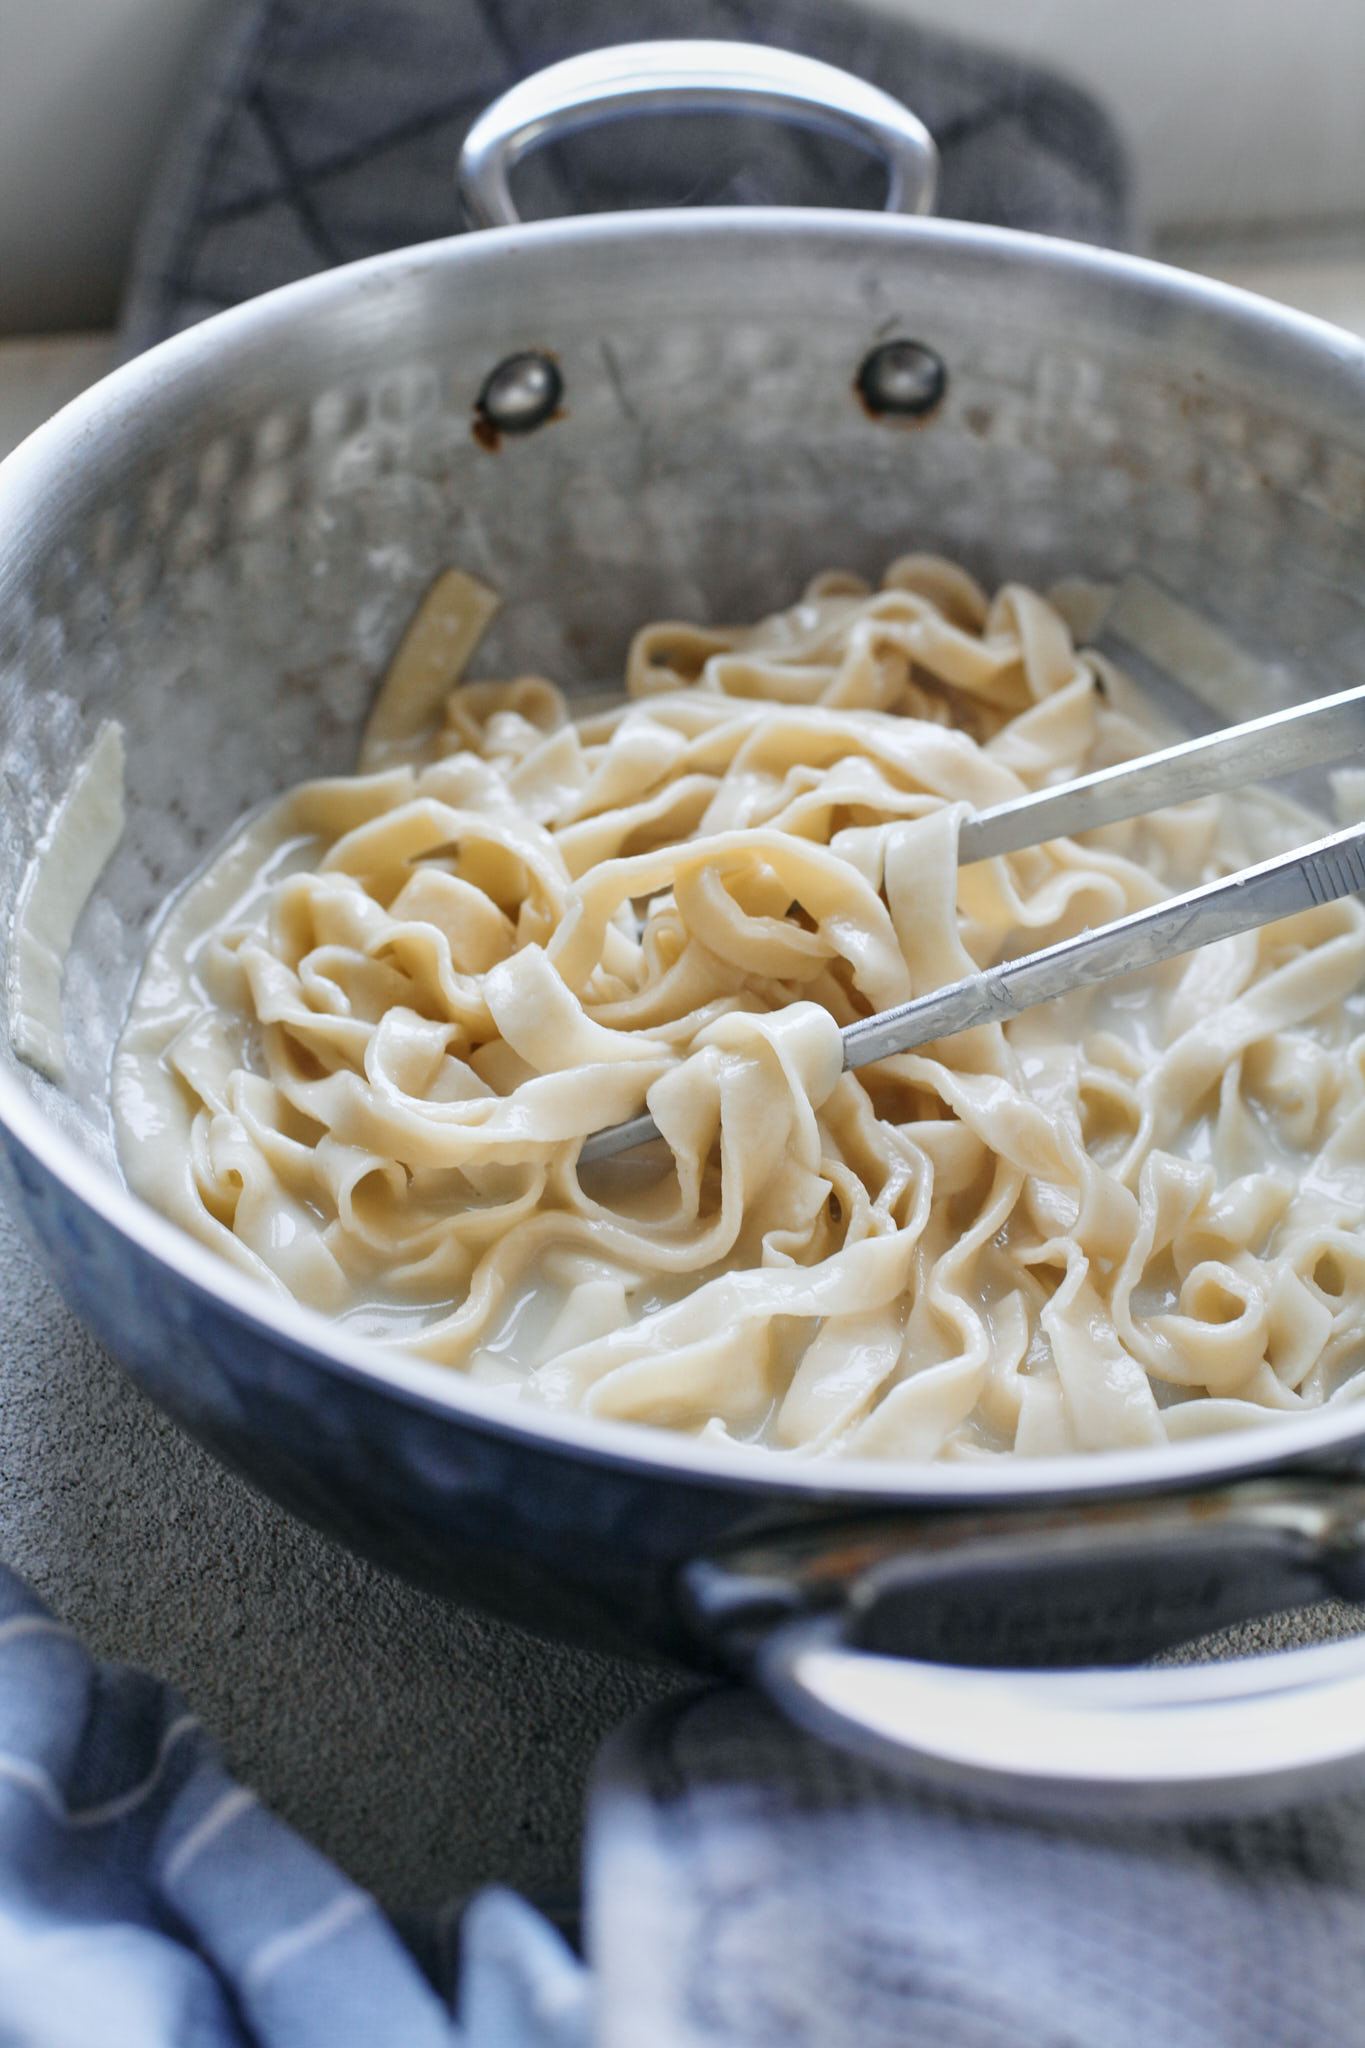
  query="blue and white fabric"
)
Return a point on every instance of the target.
[{"x": 149, "y": 1901}]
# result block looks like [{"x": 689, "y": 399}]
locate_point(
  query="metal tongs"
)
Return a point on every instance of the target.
[{"x": 1303, "y": 737}]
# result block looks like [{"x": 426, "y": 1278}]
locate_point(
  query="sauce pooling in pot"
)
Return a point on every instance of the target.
[{"x": 370, "y": 1038}]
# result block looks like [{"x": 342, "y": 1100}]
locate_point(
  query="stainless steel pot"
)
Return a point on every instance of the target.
[{"x": 615, "y": 418}]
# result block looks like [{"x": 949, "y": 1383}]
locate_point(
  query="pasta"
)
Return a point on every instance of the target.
[
  {"x": 82, "y": 833},
  {"x": 369, "y": 1040}
]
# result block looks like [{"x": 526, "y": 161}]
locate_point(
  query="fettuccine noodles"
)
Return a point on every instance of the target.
[{"x": 369, "y": 1040}]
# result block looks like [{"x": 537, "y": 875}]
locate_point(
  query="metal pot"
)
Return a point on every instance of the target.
[{"x": 615, "y": 418}]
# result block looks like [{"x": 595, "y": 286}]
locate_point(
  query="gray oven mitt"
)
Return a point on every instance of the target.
[{"x": 325, "y": 130}]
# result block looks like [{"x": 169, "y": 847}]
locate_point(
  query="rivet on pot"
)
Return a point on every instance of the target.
[
  {"x": 520, "y": 393},
  {"x": 901, "y": 379}
]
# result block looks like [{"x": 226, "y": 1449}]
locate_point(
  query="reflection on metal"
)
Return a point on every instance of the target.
[
  {"x": 520, "y": 394},
  {"x": 901, "y": 380}
]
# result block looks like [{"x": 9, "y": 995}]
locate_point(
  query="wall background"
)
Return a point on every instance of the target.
[
  {"x": 1240, "y": 115},
  {"x": 87, "y": 88}
]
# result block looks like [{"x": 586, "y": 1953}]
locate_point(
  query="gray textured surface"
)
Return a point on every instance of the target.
[{"x": 426, "y": 1749}]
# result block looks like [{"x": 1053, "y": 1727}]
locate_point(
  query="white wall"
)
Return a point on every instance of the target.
[
  {"x": 1236, "y": 111},
  {"x": 87, "y": 89}
]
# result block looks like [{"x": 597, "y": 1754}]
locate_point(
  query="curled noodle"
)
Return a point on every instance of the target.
[{"x": 369, "y": 1041}]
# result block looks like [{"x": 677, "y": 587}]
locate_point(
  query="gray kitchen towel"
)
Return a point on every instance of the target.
[
  {"x": 749, "y": 1887},
  {"x": 325, "y": 130}
]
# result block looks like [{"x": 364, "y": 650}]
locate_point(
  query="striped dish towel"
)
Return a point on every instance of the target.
[{"x": 148, "y": 1901}]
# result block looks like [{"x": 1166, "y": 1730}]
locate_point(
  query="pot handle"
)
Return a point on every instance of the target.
[
  {"x": 918, "y": 1645},
  {"x": 1129, "y": 1744},
  {"x": 689, "y": 77}
]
